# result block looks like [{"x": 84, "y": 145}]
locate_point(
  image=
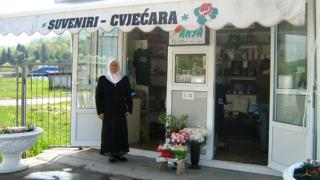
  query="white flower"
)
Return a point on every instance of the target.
[{"x": 198, "y": 134}]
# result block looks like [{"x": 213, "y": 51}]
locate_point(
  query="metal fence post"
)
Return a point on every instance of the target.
[
  {"x": 24, "y": 96},
  {"x": 17, "y": 95}
]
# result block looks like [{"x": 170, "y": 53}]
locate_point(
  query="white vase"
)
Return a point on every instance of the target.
[
  {"x": 230, "y": 53},
  {"x": 11, "y": 148},
  {"x": 289, "y": 172}
]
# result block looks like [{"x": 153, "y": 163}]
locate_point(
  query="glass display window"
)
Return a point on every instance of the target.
[{"x": 190, "y": 68}]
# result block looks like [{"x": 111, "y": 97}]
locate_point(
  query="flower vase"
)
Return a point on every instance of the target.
[{"x": 195, "y": 155}]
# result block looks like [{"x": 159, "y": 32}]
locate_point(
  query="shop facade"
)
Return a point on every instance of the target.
[{"x": 194, "y": 45}]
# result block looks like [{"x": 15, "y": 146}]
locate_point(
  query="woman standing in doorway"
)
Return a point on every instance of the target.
[{"x": 114, "y": 104}]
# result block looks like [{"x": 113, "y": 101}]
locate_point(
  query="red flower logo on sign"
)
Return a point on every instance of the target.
[
  {"x": 205, "y": 8},
  {"x": 178, "y": 29}
]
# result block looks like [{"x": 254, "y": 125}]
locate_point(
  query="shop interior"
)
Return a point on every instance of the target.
[
  {"x": 147, "y": 71},
  {"x": 242, "y": 94}
]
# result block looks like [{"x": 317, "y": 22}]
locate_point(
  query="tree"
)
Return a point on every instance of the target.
[
  {"x": 66, "y": 56},
  {"x": 3, "y": 58},
  {"x": 21, "y": 53},
  {"x": 36, "y": 54},
  {"x": 9, "y": 56},
  {"x": 44, "y": 55}
]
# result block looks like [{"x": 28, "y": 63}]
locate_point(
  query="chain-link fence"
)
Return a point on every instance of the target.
[{"x": 10, "y": 96}]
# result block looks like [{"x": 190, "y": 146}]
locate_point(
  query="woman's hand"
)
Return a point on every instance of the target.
[
  {"x": 101, "y": 116},
  {"x": 126, "y": 115}
]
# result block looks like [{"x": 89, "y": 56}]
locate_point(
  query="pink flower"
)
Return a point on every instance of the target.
[{"x": 307, "y": 160}]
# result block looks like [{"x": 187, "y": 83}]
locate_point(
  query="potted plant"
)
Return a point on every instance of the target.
[
  {"x": 232, "y": 46},
  {"x": 308, "y": 169},
  {"x": 172, "y": 123},
  {"x": 13, "y": 142},
  {"x": 179, "y": 151},
  {"x": 197, "y": 137}
]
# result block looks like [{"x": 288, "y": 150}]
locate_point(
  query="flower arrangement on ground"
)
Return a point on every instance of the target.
[
  {"x": 12, "y": 130},
  {"x": 176, "y": 147},
  {"x": 310, "y": 169},
  {"x": 165, "y": 150},
  {"x": 197, "y": 135}
]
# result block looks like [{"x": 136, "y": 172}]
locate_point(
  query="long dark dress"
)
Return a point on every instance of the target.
[{"x": 114, "y": 100}]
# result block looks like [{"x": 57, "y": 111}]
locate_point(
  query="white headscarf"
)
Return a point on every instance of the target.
[{"x": 114, "y": 78}]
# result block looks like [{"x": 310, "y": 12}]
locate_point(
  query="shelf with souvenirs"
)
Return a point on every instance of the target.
[{"x": 237, "y": 63}]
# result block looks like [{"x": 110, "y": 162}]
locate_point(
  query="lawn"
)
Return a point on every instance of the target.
[
  {"x": 36, "y": 88},
  {"x": 54, "y": 119}
]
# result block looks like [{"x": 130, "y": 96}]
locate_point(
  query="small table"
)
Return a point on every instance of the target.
[{"x": 180, "y": 164}]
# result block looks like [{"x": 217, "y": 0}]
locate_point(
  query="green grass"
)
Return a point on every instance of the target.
[
  {"x": 54, "y": 119},
  {"x": 36, "y": 88}
]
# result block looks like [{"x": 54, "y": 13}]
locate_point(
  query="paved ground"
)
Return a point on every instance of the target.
[
  {"x": 61, "y": 163},
  {"x": 43, "y": 170}
]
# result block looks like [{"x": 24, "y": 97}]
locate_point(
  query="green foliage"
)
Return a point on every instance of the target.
[
  {"x": 48, "y": 50},
  {"x": 172, "y": 123},
  {"x": 310, "y": 169}
]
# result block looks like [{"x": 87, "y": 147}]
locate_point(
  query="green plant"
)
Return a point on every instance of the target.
[{"x": 172, "y": 123}]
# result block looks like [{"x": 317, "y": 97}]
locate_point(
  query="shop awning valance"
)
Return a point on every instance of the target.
[{"x": 168, "y": 15}]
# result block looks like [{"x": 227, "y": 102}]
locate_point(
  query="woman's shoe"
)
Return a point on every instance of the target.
[
  {"x": 121, "y": 158},
  {"x": 112, "y": 159}
]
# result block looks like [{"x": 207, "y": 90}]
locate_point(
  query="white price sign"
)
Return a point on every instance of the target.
[{"x": 187, "y": 95}]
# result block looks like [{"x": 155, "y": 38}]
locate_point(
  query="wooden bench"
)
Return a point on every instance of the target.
[{"x": 180, "y": 164}]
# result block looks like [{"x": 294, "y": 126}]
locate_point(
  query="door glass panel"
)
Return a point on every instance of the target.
[
  {"x": 107, "y": 49},
  {"x": 291, "y": 109},
  {"x": 93, "y": 57},
  {"x": 292, "y": 56},
  {"x": 291, "y": 73},
  {"x": 190, "y": 68}
]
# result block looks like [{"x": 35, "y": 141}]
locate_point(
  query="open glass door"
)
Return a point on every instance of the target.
[
  {"x": 93, "y": 50},
  {"x": 290, "y": 124}
]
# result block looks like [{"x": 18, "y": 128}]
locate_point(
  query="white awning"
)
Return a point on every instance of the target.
[{"x": 146, "y": 15}]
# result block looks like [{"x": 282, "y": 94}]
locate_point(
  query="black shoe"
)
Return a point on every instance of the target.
[
  {"x": 112, "y": 159},
  {"x": 121, "y": 158}
]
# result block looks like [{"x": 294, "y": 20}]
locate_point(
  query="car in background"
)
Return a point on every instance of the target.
[{"x": 44, "y": 71}]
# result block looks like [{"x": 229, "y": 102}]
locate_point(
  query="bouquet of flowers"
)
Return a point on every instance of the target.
[
  {"x": 180, "y": 137},
  {"x": 165, "y": 150},
  {"x": 180, "y": 151},
  {"x": 197, "y": 135},
  {"x": 310, "y": 169},
  {"x": 12, "y": 130}
]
